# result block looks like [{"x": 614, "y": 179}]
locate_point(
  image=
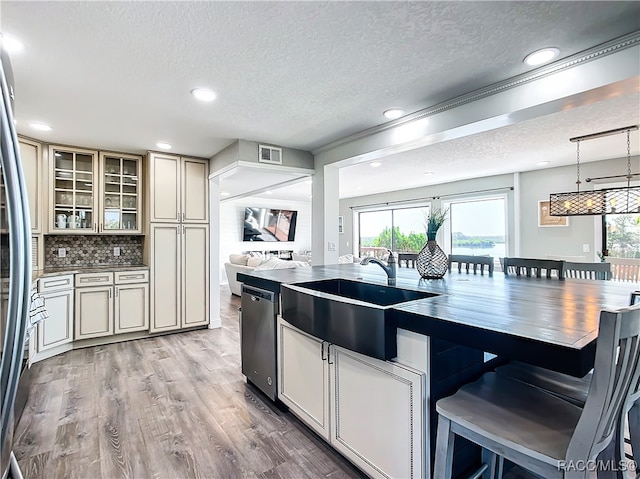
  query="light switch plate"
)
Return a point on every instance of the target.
[
  {"x": 585, "y": 248},
  {"x": 331, "y": 246},
  {"x": 116, "y": 251},
  {"x": 62, "y": 253}
]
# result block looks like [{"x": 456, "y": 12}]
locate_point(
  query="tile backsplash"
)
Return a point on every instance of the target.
[{"x": 92, "y": 250}]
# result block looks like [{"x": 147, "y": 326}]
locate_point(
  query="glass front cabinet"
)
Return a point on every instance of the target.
[
  {"x": 121, "y": 193},
  {"x": 94, "y": 192},
  {"x": 72, "y": 193}
]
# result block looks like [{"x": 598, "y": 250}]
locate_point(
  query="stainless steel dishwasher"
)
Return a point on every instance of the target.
[{"x": 258, "y": 338}]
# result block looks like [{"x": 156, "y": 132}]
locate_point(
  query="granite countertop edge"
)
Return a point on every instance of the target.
[{"x": 47, "y": 272}]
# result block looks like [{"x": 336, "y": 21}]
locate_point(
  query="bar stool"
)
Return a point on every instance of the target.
[
  {"x": 537, "y": 430},
  {"x": 575, "y": 390}
]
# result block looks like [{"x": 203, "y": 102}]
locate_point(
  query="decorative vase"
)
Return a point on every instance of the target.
[{"x": 432, "y": 262}]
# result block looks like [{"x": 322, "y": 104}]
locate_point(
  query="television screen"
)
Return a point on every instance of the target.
[{"x": 267, "y": 224}]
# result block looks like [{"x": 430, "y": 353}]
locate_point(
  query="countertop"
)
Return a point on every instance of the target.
[
  {"x": 86, "y": 269},
  {"x": 547, "y": 322}
]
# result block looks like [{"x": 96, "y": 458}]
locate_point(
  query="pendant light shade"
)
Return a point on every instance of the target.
[{"x": 620, "y": 200}]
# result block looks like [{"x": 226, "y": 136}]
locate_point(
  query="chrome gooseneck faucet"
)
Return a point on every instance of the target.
[{"x": 389, "y": 268}]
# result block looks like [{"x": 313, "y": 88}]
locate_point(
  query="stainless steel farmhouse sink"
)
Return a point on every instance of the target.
[{"x": 351, "y": 314}]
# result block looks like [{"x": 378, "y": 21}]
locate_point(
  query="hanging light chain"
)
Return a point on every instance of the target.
[
  {"x": 578, "y": 161},
  {"x": 628, "y": 156}
]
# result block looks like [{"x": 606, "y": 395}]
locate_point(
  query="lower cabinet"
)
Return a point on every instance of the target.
[
  {"x": 179, "y": 276},
  {"x": 57, "y": 329},
  {"x": 119, "y": 305},
  {"x": 371, "y": 411}
]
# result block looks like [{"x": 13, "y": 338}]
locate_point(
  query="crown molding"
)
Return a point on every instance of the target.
[{"x": 613, "y": 46}]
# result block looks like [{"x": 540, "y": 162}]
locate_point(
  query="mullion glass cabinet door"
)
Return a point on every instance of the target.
[
  {"x": 121, "y": 193},
  {"x": 73, "y": 192}
]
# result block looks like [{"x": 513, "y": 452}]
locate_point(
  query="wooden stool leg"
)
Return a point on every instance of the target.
[{"x": 444, "y": 450}]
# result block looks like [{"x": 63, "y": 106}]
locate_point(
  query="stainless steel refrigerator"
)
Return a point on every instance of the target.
[{"x": 15, "y": 270}]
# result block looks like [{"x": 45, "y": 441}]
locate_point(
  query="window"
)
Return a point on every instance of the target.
[
  {"x": 477, "y": 227},
  {"x": 400, "y": 230},
  {"x": 621, "y": 235}
]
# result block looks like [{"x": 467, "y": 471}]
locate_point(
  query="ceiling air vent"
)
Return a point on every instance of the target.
[{"x": 270, "y": 154}]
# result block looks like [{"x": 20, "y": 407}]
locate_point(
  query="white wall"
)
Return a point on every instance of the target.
[
  {"x": 535, "y": 241},
  {"x": 232, "y": 222}
]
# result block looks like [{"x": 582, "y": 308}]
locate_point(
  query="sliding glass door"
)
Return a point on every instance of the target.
[{"x": 401, "y": 230}]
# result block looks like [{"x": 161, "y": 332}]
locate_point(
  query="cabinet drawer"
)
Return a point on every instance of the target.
[
  {"x": 55, "y": 283},
  {"x": 93, "y": 279},
  {"x": 128, "y": 277}
]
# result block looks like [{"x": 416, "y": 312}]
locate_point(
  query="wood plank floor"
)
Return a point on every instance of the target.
[{"x": 172, "y": 407}]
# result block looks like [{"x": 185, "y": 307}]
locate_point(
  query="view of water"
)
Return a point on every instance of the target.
[{"x": 497, "y": 251}]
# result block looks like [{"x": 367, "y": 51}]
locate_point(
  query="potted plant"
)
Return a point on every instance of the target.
[{"x": 432, "y": 262}]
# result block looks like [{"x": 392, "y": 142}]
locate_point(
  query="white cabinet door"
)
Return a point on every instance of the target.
[
  {"x": 303, "y": 380},
  {"x": 57, "y": 329},
  {"x": 31, "y": 157},
  {"x": 195, "y": 275},
  {"x": 131, "y": 305},
  {"x": 378, "y": 409},
  {"x": 94, "y": 312},
  {"x": 165, "y": 277},
  {"x": 164, "y": 184},
  {"x": 195, "y": 190}
]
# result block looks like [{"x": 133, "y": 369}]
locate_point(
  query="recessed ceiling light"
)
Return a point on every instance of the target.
[
  {"x": 163, "y": 146},
  {"x": 11, "y": 44},
  {"x": 428, "y": 173},
  {"x": 543, "y": 163},
  {"x": 393, "y": 113},
  {"x": 203, "y": 94},
  {"x": 375, "y": 164},
  {"x": 224, "y": 193},
  {"x": 40, "y": 126},
  {"x": 541, "y": 56}
]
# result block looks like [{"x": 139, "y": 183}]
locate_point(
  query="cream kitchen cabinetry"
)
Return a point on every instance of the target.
[
  {"x": 57, "y": 330},
  {"x": 179, "y": 189},
  {"x": 111, "y": 303},
  {"x": 120, "y": 203},
  {"x": 31, "y": 157},
  {"x": 91, "y": 192},
  {"x": 372, "y": 411},
  {"x": 73, "y": 203},
  {"x": 179, "y": 276}
]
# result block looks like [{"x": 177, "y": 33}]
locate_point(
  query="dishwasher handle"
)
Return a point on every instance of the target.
[{"x": 257, "y": 294}]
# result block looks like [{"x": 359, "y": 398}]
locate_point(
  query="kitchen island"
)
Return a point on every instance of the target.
[{"x": 546, "y": 322}]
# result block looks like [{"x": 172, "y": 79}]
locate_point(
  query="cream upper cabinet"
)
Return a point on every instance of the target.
[
  {"x": 195, "y": 190},
  {"x": 73, "y": 203},
  {"x": 120, "y": 193},
  {"x": 179, "y": 189},
  {"x": 31, "y": 156}
]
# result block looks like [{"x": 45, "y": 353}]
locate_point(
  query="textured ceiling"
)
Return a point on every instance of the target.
[{"x": 117, "y": 75}]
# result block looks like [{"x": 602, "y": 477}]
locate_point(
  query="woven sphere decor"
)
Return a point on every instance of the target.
[{"x": 432, "y": 262}]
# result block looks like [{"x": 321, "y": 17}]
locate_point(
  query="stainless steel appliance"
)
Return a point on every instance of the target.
[
  {"x": 258, "y": 338},
  {"x": 15, "y": 269}
]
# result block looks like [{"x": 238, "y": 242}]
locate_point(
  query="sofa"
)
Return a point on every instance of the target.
[{"x": 244, "y": 263}]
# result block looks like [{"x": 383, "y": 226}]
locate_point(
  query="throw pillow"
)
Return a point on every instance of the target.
[
  {"x": 276, "y": 263},
  {"x": 240, "y": 259},
  {"x": 254, "y": 262}
]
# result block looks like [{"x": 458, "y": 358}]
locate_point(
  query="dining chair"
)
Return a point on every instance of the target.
[
  {"x": 532, "y": 266},
  {"x": 478, "y": 262},
  {"x": 587, "y": 270},
  {"x": 537, "y": 430}
]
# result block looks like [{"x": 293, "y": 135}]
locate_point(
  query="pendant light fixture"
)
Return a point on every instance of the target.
[{"x": 620, "y": 200}]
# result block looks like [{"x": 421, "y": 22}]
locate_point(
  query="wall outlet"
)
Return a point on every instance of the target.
[
  {"x": 62, "y": 253},
  {"x": 116, "y": 251},
  {"x": 331, "y": 246},
  {"x": 585, "y": 248}
]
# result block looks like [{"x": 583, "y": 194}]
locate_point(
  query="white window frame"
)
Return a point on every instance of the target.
[{"x": 446, "y": 228}]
